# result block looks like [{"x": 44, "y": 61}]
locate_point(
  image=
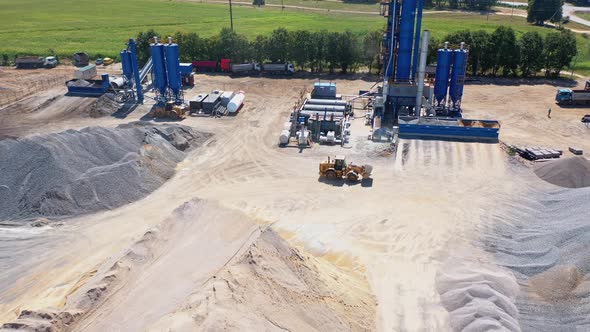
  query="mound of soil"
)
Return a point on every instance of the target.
[
  {"x": 570, "y": 173},
  {"x": 104, "y": 105},
  {"x": 76, "y": 172}
]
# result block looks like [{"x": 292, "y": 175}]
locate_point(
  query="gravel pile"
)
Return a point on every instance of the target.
[
  {"x": 570, "y": 173},
  {"x": 76, "y": 172},
  {"x": 104, "y": 105}
]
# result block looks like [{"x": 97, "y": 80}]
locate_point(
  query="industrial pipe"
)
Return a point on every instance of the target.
[
  {"x": 335, "y": 102},
  {"x": 417, "y": 40},
  {"x": 133, "y": 49},
  {"x": 422, "y": 71}
]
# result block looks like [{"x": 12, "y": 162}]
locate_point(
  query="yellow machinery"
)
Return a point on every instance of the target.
[
  {"x": 170, "y": 110},
  {"x": 337, "y": 168}
]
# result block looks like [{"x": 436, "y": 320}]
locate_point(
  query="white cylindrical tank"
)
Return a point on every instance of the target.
[
  {"x": 321, "y": 114},
  {"x": 118, "y": 82},
  {"x": 329, "y": 108},
  {"x": 236, "y": 102},
  {"x": 331, "y": 137},
  {"x": 284, "y": 138},
  {"x": 326, "y": 102}
]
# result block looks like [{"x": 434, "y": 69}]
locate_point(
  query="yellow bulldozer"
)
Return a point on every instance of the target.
[
  {"x": 337, "y": 168},
  {"x": 170, "y": 110}
]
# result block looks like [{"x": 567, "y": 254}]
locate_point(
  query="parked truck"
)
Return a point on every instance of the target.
[
  {"x": 206, "y": 66},
  {"x": 245, "y": 68},
  {"x": 573, "y": 97},
  {"x": 81, "y": 59},
  {"x": 278, "y": 68},
  {"x": 31, "y": 62}
]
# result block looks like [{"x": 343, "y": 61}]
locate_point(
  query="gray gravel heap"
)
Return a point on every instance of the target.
[
  {"x": 76, "y": 172},
  {"x": 571, "y": 172}
]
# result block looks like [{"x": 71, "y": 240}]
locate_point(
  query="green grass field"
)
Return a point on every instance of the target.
[
  {"x": 102, "y": 27},
  {"x": 584, "y": 15}
]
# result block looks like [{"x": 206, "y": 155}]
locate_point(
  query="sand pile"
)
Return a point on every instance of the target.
[
  {"x": 570, "y": 173},
  {"x": 76, "y": 172},
  {"x": 274, "y": 287},
  {"x": 207, "y": 268},
  {"x": 557, "y": 283},
  {"x": 104, "y": 105}
]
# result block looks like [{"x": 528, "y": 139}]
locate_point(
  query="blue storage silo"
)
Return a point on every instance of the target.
[
  {"x": 126, "y": 64},
  {"x": 159, "y": 67},
  {"x": 444, "y": 59},
  {"x": 406, "y": 40},
  {"x": 173, "y": 68},
  {"x": 458, "y": 76}
]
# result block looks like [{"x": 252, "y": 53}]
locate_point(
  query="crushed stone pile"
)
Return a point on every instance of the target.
[
  {"x": 76, "y": 172},
  {"x": 478, "y": 297},
  {"x": 570, "y": 173},
  {"x": 104, "y": 105}
]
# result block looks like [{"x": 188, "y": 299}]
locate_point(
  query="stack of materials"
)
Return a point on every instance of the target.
[{"x": 538, "y": 153}]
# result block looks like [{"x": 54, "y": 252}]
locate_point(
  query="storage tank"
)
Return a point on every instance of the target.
[
  {"x": 444, "y": 59},
  {"x": 458, "y": 75},
  {"x": 235, "y": 103},
  {"x": 284, "y": 138},
  {"x": 406, "y": 40},
  {"x": 126, "y": 64},
  {"x": 329, "y": 108},
  {"x": 338, "y": 102},
  {"x": 173, "y": 67},
  {"x": 159, "y": 66},
  {"x": 117, "y": 82},
  {"x": 323, "y": 115}
]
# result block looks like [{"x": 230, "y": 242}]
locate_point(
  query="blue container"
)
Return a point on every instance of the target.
[
  {"x": 126, "y": 63},
  {"x": 458, "y": 76},
  {"x": 159, "y": 68},
  {"x": 173, "y": 68},
  {"x": 444, "y": 59},
  {"x": 406, "y": 40}
]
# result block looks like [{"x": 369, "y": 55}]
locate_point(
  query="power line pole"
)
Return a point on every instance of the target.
[{"x": 231, "y": 17}]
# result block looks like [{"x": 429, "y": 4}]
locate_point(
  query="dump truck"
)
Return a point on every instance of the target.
[
  {"x": 337, "y": 168},
  {"x": 31, "y": 62},
  {"x": 206, "y": 66},
  {"x": 573, "y": 97},
  {"x": 81, "y": 59},
  {"x": 278, "y": 68},
  {"x": 245, "y": 68}
]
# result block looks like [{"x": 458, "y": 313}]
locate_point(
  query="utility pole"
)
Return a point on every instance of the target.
[{"x": 231, "y": 17}]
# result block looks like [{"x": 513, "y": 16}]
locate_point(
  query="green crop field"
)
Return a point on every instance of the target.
[{"x": 33, "y": 27}]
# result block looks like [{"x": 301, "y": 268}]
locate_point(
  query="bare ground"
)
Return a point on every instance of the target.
[{"x": 389, "y": 239}]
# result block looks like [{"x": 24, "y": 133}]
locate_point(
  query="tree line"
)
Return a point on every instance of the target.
[
  {"x": 496, "y": 53},
  {"x": 318, "y": 51},
  {"x": 502, "y": 53}
]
